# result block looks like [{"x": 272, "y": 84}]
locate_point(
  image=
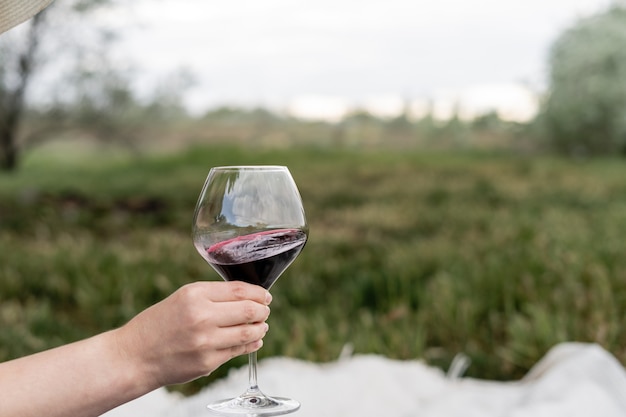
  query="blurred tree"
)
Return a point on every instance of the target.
[
  {"x": 428, "y": 127},
  {"x": 488, "y": 121},
  {"x": 45, "y": 41},
  {"x": 57, "y": 73},
  {"x": 99, "y": 103},
  {"x": 359, "y": 128},
  {"x": 585, "y": 110},
  {"x": 16, "y": 69}
]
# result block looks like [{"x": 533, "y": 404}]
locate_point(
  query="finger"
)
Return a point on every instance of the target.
[
  {"x": 236, "y": 336},
  {"x": 233, "y": 313},
  {"x": 239, "y": 290},
  {"x": 243, "y": 349},
  {"x": 223, "y": 355}
]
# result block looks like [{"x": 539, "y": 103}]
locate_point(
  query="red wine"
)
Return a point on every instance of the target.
[{"x": 258, "y": 258}]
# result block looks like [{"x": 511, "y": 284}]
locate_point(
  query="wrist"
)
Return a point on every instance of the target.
[{"x": 133, "y": 369}]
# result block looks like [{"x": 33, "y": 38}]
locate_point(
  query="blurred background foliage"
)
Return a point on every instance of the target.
[
  {"x": 428, "y": 237},
  {"x": 59, "y": 81}
]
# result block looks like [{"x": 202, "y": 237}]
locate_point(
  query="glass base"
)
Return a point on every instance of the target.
[{"x": 252, "y": 404}]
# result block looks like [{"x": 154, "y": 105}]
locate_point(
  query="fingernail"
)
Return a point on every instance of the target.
[
  {"x": 268, "y": 297},
  {"x": 267, "y": 327}
]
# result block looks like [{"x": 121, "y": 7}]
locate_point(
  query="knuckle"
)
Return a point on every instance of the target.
[
  {"x": 246, "y": 334},
  {"x": 199, "y": 342},
  {"x": 189, "y": 291},
  {"x": 249, "y": 312},
  {"x": 239, "y": 290}
]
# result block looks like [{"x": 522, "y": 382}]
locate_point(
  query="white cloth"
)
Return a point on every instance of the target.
[{"x": 572, "y": 380}]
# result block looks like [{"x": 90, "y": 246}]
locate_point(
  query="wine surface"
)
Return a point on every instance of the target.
[{"x": 257, "y": 258}]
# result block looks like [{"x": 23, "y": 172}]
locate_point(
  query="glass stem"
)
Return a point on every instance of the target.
[{"x": 252, "y": 383}]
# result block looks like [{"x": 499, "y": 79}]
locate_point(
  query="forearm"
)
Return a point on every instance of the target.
[
  {"x": 185, "y": 336},
  {"x": 82, "y": 379}
]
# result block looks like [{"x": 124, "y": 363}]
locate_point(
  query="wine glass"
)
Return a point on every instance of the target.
[{"x": 249, "y": 225}]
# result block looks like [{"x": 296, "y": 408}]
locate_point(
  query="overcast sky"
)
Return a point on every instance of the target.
[{"x": 323, "y": 55}]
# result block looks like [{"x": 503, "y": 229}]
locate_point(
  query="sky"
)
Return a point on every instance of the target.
[{"x": 321, "y": 58}]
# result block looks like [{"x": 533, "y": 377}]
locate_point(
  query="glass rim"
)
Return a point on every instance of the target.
[{"x": 250, "y": 167}]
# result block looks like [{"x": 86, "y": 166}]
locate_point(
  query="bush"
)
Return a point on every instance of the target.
[{"x": 585, "y": 110}]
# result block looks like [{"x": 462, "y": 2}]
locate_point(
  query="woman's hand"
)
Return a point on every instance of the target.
[
  {"x": 185, "y": 336},
  {"x": 195, "y": 330}
]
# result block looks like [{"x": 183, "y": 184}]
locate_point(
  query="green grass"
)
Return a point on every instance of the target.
[{"x": 411, "y": 255}]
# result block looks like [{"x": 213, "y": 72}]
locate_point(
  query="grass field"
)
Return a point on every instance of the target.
[{"x": 411, "y": 255}]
